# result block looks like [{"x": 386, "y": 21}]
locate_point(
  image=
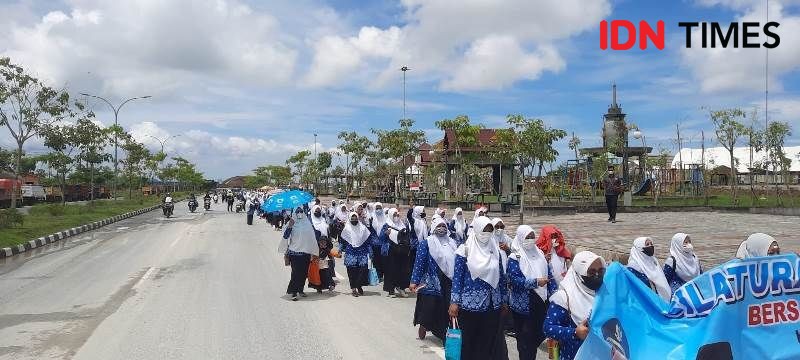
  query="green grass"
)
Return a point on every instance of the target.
[
  {"x": 722, "y": 200},
  {"x": 46, "y": 219}
]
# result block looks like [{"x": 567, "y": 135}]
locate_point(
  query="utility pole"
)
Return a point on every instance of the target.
[
  {"x": 316, "y": 165},
  {"x": 404, "y": 69}
]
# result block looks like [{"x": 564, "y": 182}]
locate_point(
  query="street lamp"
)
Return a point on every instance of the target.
[
  {"x": 316, "y": 165},
  {"x": 162, "y": 142},
  {"x": 116, "y": 124}
]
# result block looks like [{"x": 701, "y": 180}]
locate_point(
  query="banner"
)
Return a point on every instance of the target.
[{"x": 742, "y": 309}]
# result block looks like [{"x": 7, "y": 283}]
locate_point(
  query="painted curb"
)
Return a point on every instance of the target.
[{"x": 49, "y": 239}]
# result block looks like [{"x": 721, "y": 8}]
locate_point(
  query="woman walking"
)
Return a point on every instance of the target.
[
  {"x": 532, "y": 284},
  {"x": 376, "y": 222},
  {"x": 567, "y": 319},
  {"x": 554, "y": 246},
  {"x": 479, "y": 294},
  {"x": 682, "y": 265},
  {"x": 419, "y": 230},
  {"x": 644, "y": 265},
  {"x": 299, "y": 246},
  {"x": 357, "y": 250},
  {"x": 397, "y": 247},
  {"x": 432, "y": 280},
  {"x": 458, "y": 227}
]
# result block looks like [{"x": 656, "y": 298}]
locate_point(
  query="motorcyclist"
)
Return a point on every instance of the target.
[{"x": 166, "y": 202}]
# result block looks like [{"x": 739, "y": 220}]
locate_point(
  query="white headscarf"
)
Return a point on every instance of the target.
[
  {"x": 573, "y": 295},
  {"x": 531, "y": 260},
  {"x": 302, "y": 238},
  {"x": 341, "y": 213},
  {"x": 420, "y": 226},
  {"x": 395, "y": 224},
  {"x": 476, "y": 217},
  {"x": 756, "y": 245},
  {"x": 483, "y": 260},
  {"x": 442, "y": 249},
  {"x": 502, "y": 238},
  {"x": 378, "y": 218},
  {"x": 356, "y": 235},
  {"x": 460, "y": 225},
  {"x": 687, "y": 266},
  {"x": 320, "y": 222},
  {"x": 649, "y": 266}
]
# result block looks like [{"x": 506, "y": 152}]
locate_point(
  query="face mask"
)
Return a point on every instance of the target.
[
  {"x": 649, "y": 250},
  {"x": 378, "y": 210},
  {"x": 610, "y": 173},
  {"x": 688, "y": 247},
  {"x": 592, "y": 282},
  {"x": 317, "y": 214},
  {"x": 354, "y": 222},
  {"x": 460, "y": 216},
  {"x": 498, "y": 232},
  {"x": 484, "y": 237},
  {"x": 440, "y": 231},
  {"x": 555, "y": 243},
  {"x": 422, "y": 215},
  {"x": 528, "y": 243}
]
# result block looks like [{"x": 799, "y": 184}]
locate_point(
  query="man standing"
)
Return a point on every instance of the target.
[{"x": 613, "y": 187}]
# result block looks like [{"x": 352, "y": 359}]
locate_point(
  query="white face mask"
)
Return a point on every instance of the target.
[
  {"x": 688, "y": 247},
  {"x": 555, "y": 243},
  {"x": 528, "y": 243},
  {"x": 498, "y": 232},
  {"x": 483, "y": 237}
]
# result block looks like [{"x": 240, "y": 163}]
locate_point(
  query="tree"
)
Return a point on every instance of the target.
[
  {"x": 186, "y": 173},
  {"x": 466, "y": 135},
  {"x": 534, "y": 147},
  {"x": 729, "y": 128},
  {"x": 356, "y": 148},
  {"x": 774, "y": 140},
  {"x": 61, "y": 140},
  {"x": 26, "y": 106},
  {"x": 135, "y": 162},
  {"x": 755, "y": 142},
  {"x": 398, "y": 143},
  {"x": 299, "y": 161},
  {"x": 92, "y": 140},
  {"x": 323, "y": 163}
]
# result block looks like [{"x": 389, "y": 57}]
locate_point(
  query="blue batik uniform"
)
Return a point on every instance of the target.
[
  {"x": 521, "y": 287},
  {"x": 558, "y": 325}
]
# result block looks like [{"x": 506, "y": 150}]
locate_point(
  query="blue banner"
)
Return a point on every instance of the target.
[{"x": 742, "y": 309}]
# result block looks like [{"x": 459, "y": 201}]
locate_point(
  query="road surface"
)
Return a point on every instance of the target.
[{"x": 197, "y": 286}]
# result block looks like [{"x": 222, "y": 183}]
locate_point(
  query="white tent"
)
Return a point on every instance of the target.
[{"x": 718, "y": 156}]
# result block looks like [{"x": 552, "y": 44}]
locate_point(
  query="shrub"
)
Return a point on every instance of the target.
[
  {"x": 10, "y": 218},
  {"x": 55, "y": 209}
]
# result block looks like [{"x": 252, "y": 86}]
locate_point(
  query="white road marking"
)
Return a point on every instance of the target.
[
  {"x": 437, "y": 350},
  {"x": 339, "y": 276},
  {"x": 123, "y": 228},
  {"x": 146, "y": 275},
  {"x": 175, "y": 242}
]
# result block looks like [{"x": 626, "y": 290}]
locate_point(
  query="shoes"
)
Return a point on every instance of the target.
[
  {"x": 330, "y": 288},
  {"x": 355, "y": 293},
  {"x": 294, "y": 297},
  {"x": 422, "y": 332},
  {"x": 401, "y": 293},
  {"x": 360, "y": 291},
  {"x": 614, "y": 221},
  {"x": 391, "y": 294},
  {"x": 302, "y": 294}
]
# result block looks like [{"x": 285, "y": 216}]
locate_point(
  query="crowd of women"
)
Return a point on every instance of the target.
[{"x": 474, "y": 275}]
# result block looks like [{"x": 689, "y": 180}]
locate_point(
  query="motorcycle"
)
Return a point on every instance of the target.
[
  {"x": 239, "y": 206},
  {"x": 207, "y": 204},
  {"x": 192, "y": 205},
  {"x": 168, "y": 207}
]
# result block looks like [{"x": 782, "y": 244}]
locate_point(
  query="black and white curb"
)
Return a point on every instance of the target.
[{"x": 44, "y": 240}]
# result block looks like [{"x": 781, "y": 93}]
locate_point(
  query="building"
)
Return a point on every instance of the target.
[
  {"x": 717, "y": 161},
  {"x": 236, "y": 182}
]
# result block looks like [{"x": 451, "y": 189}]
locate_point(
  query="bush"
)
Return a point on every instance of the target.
[
  {"x": 55, "y": 209},
  {"x": 10, "y": 218}
]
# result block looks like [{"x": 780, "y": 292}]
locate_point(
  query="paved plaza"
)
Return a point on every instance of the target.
[{"x": 716, "y": 236}]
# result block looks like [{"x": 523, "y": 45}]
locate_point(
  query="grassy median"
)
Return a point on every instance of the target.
[{"x": 45, "y": 219}]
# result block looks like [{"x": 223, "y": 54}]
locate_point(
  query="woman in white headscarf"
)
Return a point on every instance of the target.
[
  {"x": 339, "y": 221},
  {"x": 479, "y": 294},
  {"x": 757, "y": 245},
  {"x": 416, "y": 217},
  {"x": 299, "y": 246},
  {"x": 356, "y": 247},
  {"x": 532, "y": 284},
  {"x": 682, "y": 265},
  {"x": 644, "y": 265},
  {"x": 458, "y": 226},
  {"x": 500, "y": 236},
  {"x": 432, "y": 279},
  {"x": 479, "y": 213},
  {"x": 326, "y": 262},
  {"x": 397, "y": 267},
  {"x": 567, "y": 319},
  {"x": 376, "y": 222}
]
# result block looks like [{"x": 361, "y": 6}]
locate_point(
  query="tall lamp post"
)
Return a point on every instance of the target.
[
  {"x": 116, "y": 124},
  {"x": 316, "y": 166}
]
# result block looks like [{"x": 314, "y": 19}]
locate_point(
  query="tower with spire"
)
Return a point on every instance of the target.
[{"x": 614, "y": 121}]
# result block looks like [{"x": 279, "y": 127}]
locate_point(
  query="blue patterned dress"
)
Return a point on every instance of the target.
[{"x": 558, "y": 325}]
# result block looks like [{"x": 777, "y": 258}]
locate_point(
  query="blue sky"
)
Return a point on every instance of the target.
[{"x": 249, "y": 83}]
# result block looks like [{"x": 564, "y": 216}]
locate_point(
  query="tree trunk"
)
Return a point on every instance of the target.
[
  {"x": 63, "y": 185},
  {"x": 91, "y": 182},
  {"x": 733, "y": 177},
  {"x": 17, "y": 170},
  {"x": 522, "y": 194}
]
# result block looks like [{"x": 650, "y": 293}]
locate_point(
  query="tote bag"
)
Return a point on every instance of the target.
[
  {"x": 452, "y": 345},
  {"x": 313, "y": 274},
  {"x": 373, "y": 275}
]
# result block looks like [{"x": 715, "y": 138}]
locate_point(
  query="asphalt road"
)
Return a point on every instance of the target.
[{"x": 196, "y": 286}]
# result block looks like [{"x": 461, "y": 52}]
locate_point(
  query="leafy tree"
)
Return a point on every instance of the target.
[
  {"x": 774, "y": 140},
  {"x": 61, "y": 139},
  {"x": 26, "y": 106},
  {"x": 91, "y": 139},
  {"x": 300, "y": 162},
  {"x": 755, "y": 142},
  {"x": 466, "y": 135},
  {"x": 135, "y": 162},
  {"x": 356, "y": 148},
  {"x": 729, "y": 128}
]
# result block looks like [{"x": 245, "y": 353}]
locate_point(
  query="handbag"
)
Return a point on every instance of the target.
[
  {"x": 313, "y": 274},
  {"x": 452, "y": 344},
  {"x": 373, "y": 275}
]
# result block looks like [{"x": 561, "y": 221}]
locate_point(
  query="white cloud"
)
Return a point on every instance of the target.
[
  {"x": 451, "y": 40},
  {"x": 153, "y": 46},
  {"x": 739, "y": 69}
]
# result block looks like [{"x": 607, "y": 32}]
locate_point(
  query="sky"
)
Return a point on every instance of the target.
[{"x": 237, "y": 84}]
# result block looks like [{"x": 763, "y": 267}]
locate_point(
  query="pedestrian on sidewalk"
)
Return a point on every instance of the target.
[
  {"x": 613, "y": 187},
  {"x": 432, "y": 280},
  {"x": 458, "y": 227},
  {"x": 532, "y": 284},
  {"x": 300, "y": 247},
  {"x": 479, "y": 294},
  {"x": 376, "y": 222},
  {"x": 353, "y": 243},
  {"x": 396, "y": 247}
]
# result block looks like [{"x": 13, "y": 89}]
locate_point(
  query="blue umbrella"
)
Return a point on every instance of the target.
[{"x": 288, "y": 200}]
